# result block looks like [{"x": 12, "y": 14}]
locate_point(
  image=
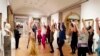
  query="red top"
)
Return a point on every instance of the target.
[
  {"x": 39, "y": 31},
  {"x": 48, "y": 30}
]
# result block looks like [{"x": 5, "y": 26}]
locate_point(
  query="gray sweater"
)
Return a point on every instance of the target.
[{"x": 83, "y": 40}]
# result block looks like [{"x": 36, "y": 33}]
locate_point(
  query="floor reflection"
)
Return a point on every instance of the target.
[{"x": 22, "y": 51}]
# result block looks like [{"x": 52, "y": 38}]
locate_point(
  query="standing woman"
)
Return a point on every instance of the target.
[
  {"x": 83, "y": 40},
  {"x": 31, "y": 44},
  {"x": 98, "y": 32},
  {"x": 34, "y": 30},
  {"x": 51, "y": 38},
  {"x": 61, "y": 38},
  {"x": 56, "y": 33},
  {"x": 48, "y": 33},
  {"x": 39, "y": 35},
  {"x": 43, "y": 35},
  {"x": 74, "y": 38},
  {"x": 90, "y": 39}
]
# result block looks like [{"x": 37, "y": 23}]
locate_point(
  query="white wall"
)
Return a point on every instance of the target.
[
  {"x": 44, "y": 20},
  {"x": 91, "y": 10},
  {"x": 3, "y": 10},
  {"x": 21, "y": 19},
  {"x": 55, "y": 18}
]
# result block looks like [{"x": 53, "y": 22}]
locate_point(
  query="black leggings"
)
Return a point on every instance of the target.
[
  {"x": 90, "y": 43},
  {"x": 74, "y": 46},
  {"x": 60, "y": 45},
  {"x": 17, "y": 42},
  {"x": 39, "y": 39},
  {"x": 82, "y": 51},
  {"x": 52, "y": 49}
]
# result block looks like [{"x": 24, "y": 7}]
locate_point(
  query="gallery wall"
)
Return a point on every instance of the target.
[
  {"x": 3, "y": 10},
  {"x": 43, "y": 20},
  {"x": 54, "y": 18},
  {"x": 91, "y": 10},
  {"x": 10, "y": 17},
  {"x": 67, "y": 12}
]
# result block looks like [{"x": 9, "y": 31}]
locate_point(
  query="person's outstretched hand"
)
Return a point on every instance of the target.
[{"x": 97, "y": 19}]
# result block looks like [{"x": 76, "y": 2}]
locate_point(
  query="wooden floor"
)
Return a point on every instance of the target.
[
  {"x": 1, "y": 53},
  {"x": 22, "y": 51}
]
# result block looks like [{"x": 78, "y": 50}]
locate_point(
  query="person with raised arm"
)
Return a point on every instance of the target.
[
  {"x": 83, "y": 36},
  {"x": 74, "y": 38},
  {"x": 61, "y": 38},
  {"x": 98, "y": 32},
  {"x": 90, "y": 39},
  {"x": 51, "y": 38}
]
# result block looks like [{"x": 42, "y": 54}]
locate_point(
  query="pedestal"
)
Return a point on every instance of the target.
[{"x": 7, "y": 46}]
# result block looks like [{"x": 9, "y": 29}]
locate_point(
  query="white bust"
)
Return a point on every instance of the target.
[{"x": 7, "y": 28}]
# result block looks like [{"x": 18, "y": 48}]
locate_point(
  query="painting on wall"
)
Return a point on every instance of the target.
[
  {"x": 72, "y": 16},
  {"x": 1, "y": 29},
  {"x": 89, "y": 22},
  {"x": 36, "y": 21},
  {"x": 0, "y": 20}
]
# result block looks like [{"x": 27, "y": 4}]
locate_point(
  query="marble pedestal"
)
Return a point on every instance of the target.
[{"x": 7, "y": 46}]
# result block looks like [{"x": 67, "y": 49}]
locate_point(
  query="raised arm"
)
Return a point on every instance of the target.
[
  {"x": 28, "y": 40},
  {"x": 92, "y": 24},
  {"x": 70, "y": 30},
  {"x": 97, "y": 26},
  {"x": 84, "y": 25},
  {"x": 76, "y": 25}
]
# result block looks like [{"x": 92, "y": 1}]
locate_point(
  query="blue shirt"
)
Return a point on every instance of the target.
[
  {"x": 99, "y": 43},
  {"x": 62, "y": 35}
]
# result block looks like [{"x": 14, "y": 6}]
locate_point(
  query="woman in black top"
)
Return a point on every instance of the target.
[
  {"x": 90, "y": 39},
  {"x": 74, "y": 38},
  {"x": 51, "y": 38}
]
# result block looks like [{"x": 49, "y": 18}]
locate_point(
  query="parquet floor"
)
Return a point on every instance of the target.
[
  {"x": 22, "y": 51},
  {"x": 1, "y": 53}
]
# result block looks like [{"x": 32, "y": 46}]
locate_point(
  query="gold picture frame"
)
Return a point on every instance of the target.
[
  {"x": 0, "y": 20},
  {"x": 1, "y": 28},
  {"x": 89, "y": 22},
  {"x": 72, "y": 16}
]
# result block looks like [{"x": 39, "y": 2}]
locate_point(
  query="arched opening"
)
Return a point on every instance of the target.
[{"x": 71, "y": 17}]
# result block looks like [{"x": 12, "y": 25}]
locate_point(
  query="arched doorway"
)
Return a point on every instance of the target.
[{"x": 71, "y": 17}]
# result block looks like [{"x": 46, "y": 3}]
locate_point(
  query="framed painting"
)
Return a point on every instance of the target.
[
  {"x": 36, "y": 21},
  {"x": 1, "y": 29},
  {"x": 0, "y": 20},
  {"x": 89, "y": 22}
]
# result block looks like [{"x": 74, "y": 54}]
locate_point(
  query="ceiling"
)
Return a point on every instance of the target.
[{"x": 39, "y": 8}]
